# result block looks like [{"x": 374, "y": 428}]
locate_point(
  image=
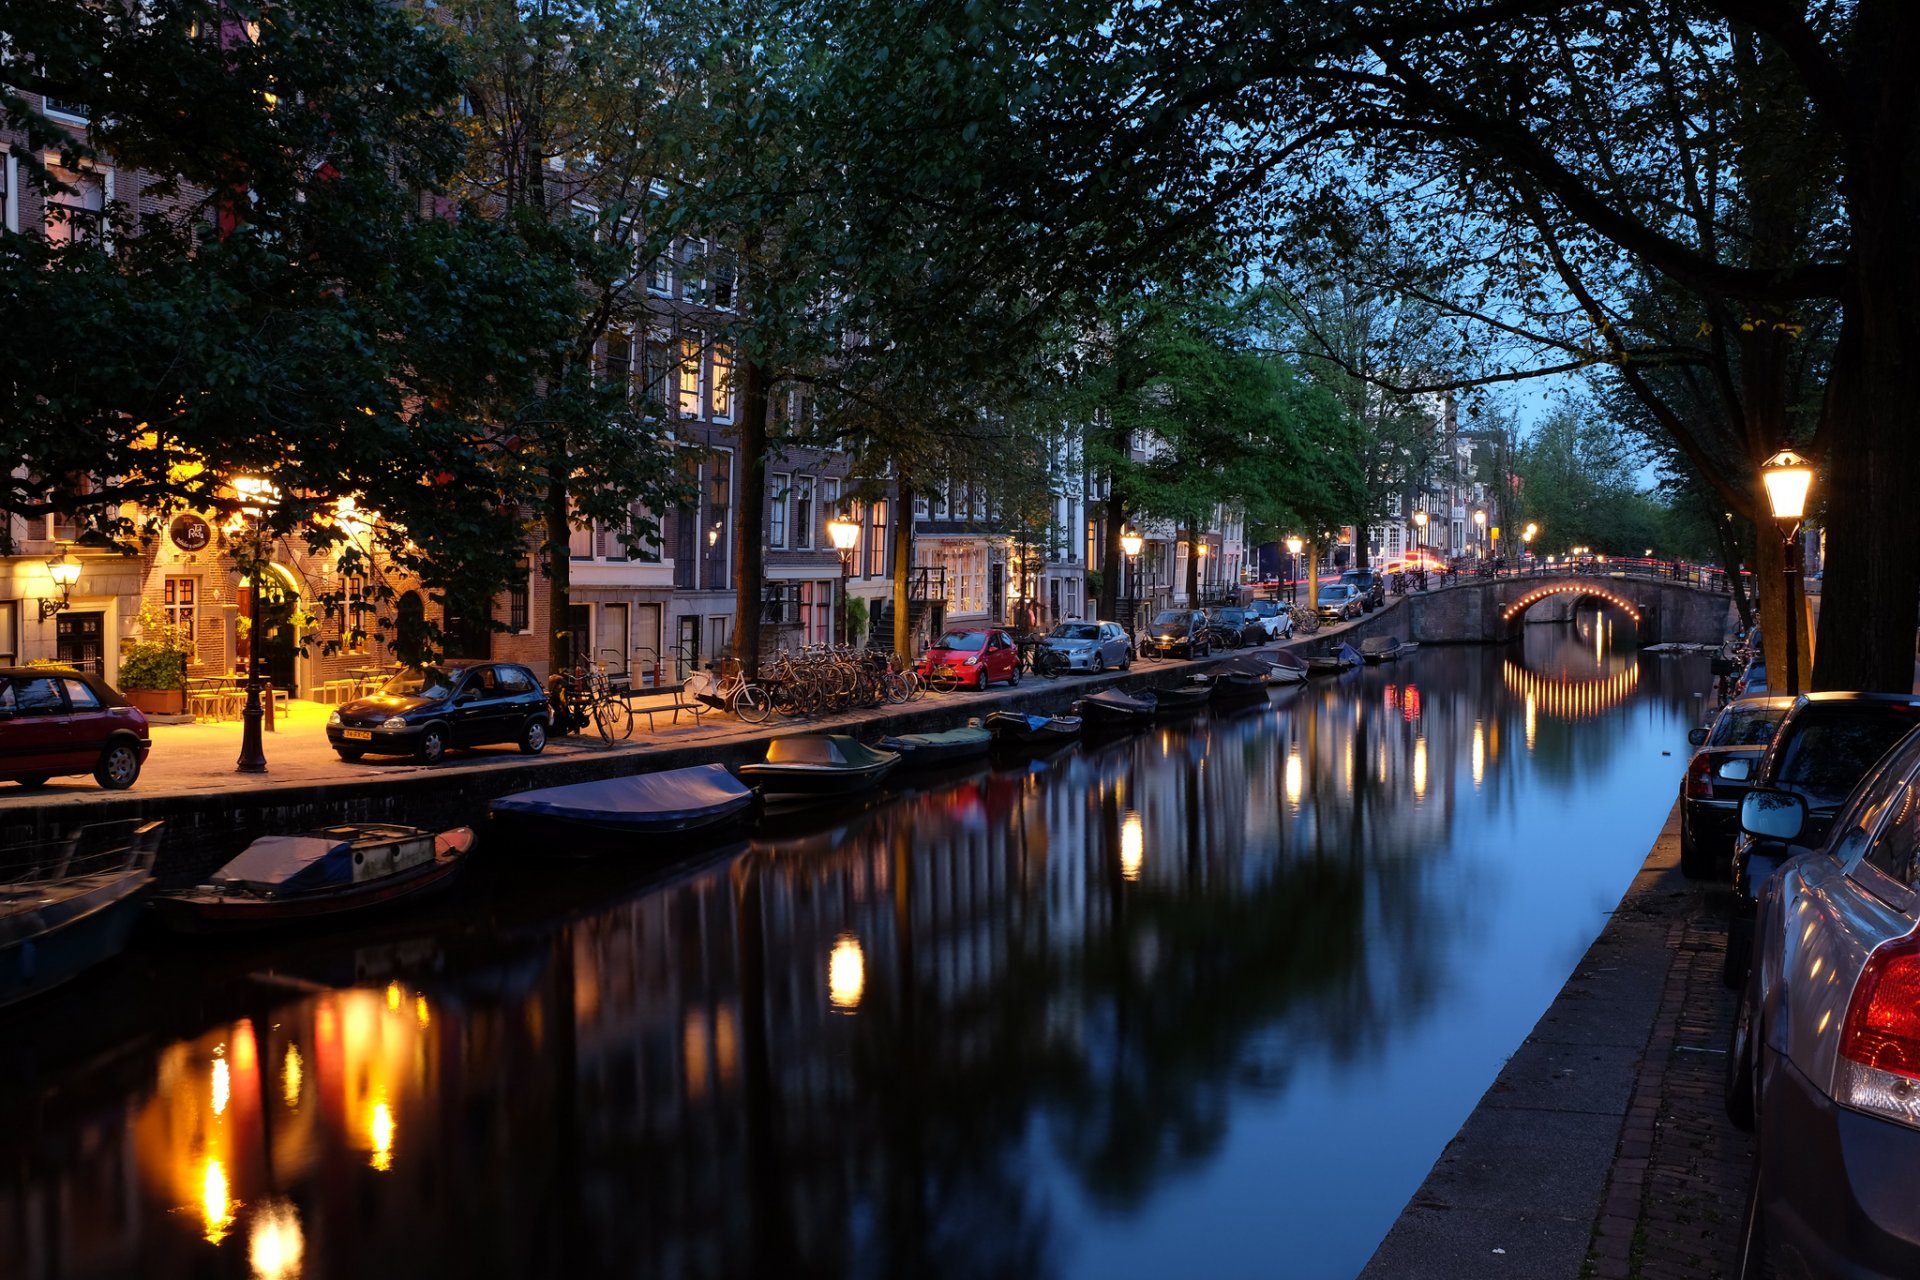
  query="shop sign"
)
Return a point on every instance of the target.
[{"x": 190, "y": 532}]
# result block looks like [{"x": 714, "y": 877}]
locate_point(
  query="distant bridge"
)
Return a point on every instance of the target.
[{"x": 1494, "y": 610}]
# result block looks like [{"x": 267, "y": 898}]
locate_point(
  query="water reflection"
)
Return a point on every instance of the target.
[{"x": 1177, "y": 1004}]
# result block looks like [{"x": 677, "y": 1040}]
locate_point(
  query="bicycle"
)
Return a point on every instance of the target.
[{"x": 731, "y": 691}]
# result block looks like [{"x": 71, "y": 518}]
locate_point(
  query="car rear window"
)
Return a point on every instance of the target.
[
  {"x": 1826, "y": 758},
  {"x": 1747, "y": 727}
]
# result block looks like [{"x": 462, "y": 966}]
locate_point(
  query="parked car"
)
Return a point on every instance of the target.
[
  {"x": 1710, "y": 803},
  {"x": 971, "y": 656},
  {"x": 1752, "y": 682},
  {"x": 1231, "y": 626},
  {"x": 1089, "y": 646},
  {"x": 1824, "y": 1060},
  {"x": 1371, "y": 587},
  {"x": 1181, "y": 632},
  {"x": 1276, "y": 616},
  {"x": 56, "y": 721},
  {"x": 426, "y": 712},
  {"x": 1338, "y": 602},
  {"x": 1823, "y": 748}
]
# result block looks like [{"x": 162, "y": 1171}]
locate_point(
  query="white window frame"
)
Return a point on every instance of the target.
[
  {"x": 803, "y": 529},
  {"x": 781, "y": 484}
]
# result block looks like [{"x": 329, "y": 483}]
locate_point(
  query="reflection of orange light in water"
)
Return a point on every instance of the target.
[
  {"x": 420, "y": 1013},
  {"x": 1419, "y": 768},
  {"x": 693, "y": 1051},
  {"x": 275, "y": 1242},
  {"x": 380, "y": 1131},
  {"x": 245, "y": 1050},
  {"x": 1410, "y": 705},
  {"x": 726, "y": 1043},
  {"x": 222, "y": 1086},
  {"x": 1530, "y": 720},
  {"x": 1393, "y": 697},
  {"x": 846, "y": 973},
  {"x": 1479, "y": 753},
  {"x": 394, "y": 996},
  {"x": 1296, "y": 776},
  {"x": 1133, "y": 845},
  {"x": 216, "y": 1206},
  {"x": 293, "y": 1075}
]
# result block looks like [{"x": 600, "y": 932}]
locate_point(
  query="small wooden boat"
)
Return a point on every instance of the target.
[
  {"x": 1286, "y": 667},
  {"x": 669, "y": 802},
  {"x": 1241, "y": 685},
  {"x": 67, "y": 913},
  {"x": 819, "y": 765},
  {"x": 1378, "y": 649},
  {"x": 1182, "y": 700},
  {"x": 927, "y": 750},
  {"x": 1112, "y": 709},
  {"x": 1011, "y": 729},
  {"x": 1344, "y": 658},
  {"x": 318, "y": 877}
]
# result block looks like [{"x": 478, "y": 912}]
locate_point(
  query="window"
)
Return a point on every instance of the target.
[
  {"x": 9, "y": 191},
  {"x": 646, "y": 545},
  {"x": 720, "y": 392},
  {"x": 178, "y": 597},
  {"x": 82, "y": 697},
  {"x": 78, "y": 214},
  {"x": 660, "y": 274},
  {"x": 520, "y": 599},
  {"x": 619, "y": 361},
  {"x": 657, "y": 372},
  {"x": 9, "y": 632},
  {"x": 719, "y": 518},
  {"x": 803, "y": 513},
  {"x": 877, "y": 540},
  {"x": 1893, "y": 853},
  {"x": 691, "y": 254},
  {"x": 690, "y": 376},
  {"x": 513, "y": 681},
  {"x": 777, "y": 512},
  {"x": 723, "y": 275},
  {"x": 36, "y": 696}
]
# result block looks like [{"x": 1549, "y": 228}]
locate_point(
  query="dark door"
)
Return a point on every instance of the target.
[
  {"x": 688, "y": 646},
  {"x": 273, "y": 621},
  {"x": 80, "y": 641},
  {"x": 579, "y": 636},
  {"x": 469, "y": 635},
  {"x": 997, "y": 591}
]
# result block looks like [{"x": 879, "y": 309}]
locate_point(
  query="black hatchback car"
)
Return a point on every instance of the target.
[
  {"x": 1710, "y": 801},
  {"x": 1181, "y": 632},
  {"x": 1821, "y": 751},
  {"x": 425, "y": 712}
]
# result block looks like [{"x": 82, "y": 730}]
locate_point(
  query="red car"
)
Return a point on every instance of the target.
[
  {"x": 55, "y": 721},
  {"x": 971, "y": 656}
]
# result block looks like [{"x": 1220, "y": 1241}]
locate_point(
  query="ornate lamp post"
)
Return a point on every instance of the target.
[
  {"x": 1130, "y": 544},
  {"x": 1420, "y": 519},
  {"x": 1293, "y": 568},
  {"x": 256, "y": 497},
  {"x": 65, "y": 571},
  {"x": 1788, "y": 476},
  {"x": 844, "y": 534},
  {"x": 1480, "y": 524}
]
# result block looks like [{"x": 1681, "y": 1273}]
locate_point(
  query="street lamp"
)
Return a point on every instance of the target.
[
  {"x": 256, "y": 496},
  {"x": 65, "y": 571},
  {"x": 1293, "y": 569},
  {"x": 1130, "y": 544},
  {"x": 1480, "y": 522},
  {"x": 843, "y": 534},
  {"x": 1788, "y": 476}
]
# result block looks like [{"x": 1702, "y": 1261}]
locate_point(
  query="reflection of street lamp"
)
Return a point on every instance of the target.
[
  {"x": 65, "y": 571},
  {"x": 1293, "y": 568},
  {"x": 256, "y": 496},
  {"x": 1788, "y": 476},
  {"x": 844, "y": 534}
]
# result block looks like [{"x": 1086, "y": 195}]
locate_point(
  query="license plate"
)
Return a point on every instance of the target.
[
  {"x": 358, "y": 735},
  {"x": 946, "y": 671}
]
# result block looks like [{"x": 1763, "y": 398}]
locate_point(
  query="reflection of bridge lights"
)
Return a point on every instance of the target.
[
  {"x": 1532, "y": 704},
  {"x": 1133, "y": 845},
  {"x": 293, "y": 1074},
  {"x": 846, "y": 973},
  {"x": 221, "y": 1086},
  {"x": 1419, "y": 768},
  {"x": 380, "y": 1131},
  {"x": 420, "y": 1012},
  {"x": 1572, "y": 699},
  {"x": 394, "y": 996},
  {"x": 1479, "y": 753},
  {"x": 216, "y": 1206},
  {"x": 1532, "y": 598},
  {"x": 1295, "y": 777},
  {"x": 274, "y": 1241}
]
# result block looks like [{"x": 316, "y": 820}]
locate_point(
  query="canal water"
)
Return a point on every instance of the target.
[{"x": 1203, "y": 1001}]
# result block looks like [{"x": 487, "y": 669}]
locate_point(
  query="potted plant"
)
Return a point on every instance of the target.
[{"x": 153, "y": 667}]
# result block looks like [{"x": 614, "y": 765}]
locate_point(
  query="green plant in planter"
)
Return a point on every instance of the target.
[
  {"x": 856, "y": 619},
  {"x": 157, "y": 659}
]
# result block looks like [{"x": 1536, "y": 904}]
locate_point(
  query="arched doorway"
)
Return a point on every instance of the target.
[{"x": 272, "y": 621}]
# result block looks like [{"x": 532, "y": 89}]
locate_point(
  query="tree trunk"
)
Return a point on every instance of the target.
[
  {"x": 1112, "y": 557},
  {"x": 903, "y": 569},
  {"x": 1193, "y": 567},
  {"x": 559, "y": 569},
  {"x": 750, "y": 514},
  {"x": 1314, "y": 550},
  {"x": 1730, "y": 562}
]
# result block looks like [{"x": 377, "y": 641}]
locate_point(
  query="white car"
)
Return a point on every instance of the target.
[{"x": 1276, "y": 616}]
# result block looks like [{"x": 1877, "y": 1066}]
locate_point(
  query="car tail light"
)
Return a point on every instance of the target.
[
  {"x": 1879, "y": 1067},
  {"x": 1700, "y": 777}
]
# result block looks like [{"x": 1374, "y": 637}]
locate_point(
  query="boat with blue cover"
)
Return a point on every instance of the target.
[
  {"x": 927, "y": 750},
  {"x": 63, "y": 913},
  {"x": 317, "y": 876},
  {"x": 668, "y": 802},
  {"x": 1015, "y": 729}
]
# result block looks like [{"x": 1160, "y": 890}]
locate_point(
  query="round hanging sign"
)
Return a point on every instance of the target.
[{"x": 190, "y": 532}]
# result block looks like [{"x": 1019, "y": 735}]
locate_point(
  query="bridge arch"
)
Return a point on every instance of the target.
[{"x": 1516, "y": 609}]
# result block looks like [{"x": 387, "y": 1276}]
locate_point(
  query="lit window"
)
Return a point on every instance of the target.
[
  {"x": 690, "y": 377},
  {"x": 77, "y": 214},
  {"x": 721, "y": 390}
]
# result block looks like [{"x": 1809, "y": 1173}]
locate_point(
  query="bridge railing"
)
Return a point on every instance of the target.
[{"x": 1699, "y": 576}]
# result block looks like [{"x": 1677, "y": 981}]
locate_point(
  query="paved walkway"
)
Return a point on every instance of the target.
[{"x": 1602, "y": 1149}]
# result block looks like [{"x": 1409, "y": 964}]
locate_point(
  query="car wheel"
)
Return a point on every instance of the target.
[
  {"x": 533, "y": 738},
  {"x": 1099, "y": 661},
  {"x": 1733, "y": 971},
  {"x": 119, "y": 766},
  {"x": 980, "y": 681},
  {"x": 351, "y": 753},
  {"x": 1740, "y": 1064},
  {"x": 1126, "y": 660},
  {"x": 1695, "y": 863},
  {"x": 1013, "y": 676},
  {"x": 433, "y": 745},
  {"x": 34, "y": 781}
]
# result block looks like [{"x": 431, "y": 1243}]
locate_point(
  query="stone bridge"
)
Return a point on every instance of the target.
[{"x": 1493, "y": 610}]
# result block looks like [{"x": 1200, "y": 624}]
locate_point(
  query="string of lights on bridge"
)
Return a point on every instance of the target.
[{"x": 1534, "y": 597}]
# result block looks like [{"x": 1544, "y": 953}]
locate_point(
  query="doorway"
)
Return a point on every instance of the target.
[{"x": 272, "y": 623}]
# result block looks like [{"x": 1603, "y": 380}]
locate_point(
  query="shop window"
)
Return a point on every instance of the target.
[
  {"x": 180, "y": 595},
  {"x": 877, "y": 539}
]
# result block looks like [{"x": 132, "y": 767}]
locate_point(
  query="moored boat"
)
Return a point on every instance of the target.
[
  {"x": 1012, "y": 729},
  {"x": 318, "y": 876},
  {"x": 64, "y": 915},
  {"x": 819, "y": 765},
  {"x": 1342, "y": 659},
  {"x": 1378, "y": 649},
  {"x": 668, "y": 802},
  {"x": 927, "y": 750},
  {"x": 1182, "y": 700},
  {"x": 1236, "y": 684},
  {"x": 1112, "y": 709},
  {"x": 1286, "y": 667}
]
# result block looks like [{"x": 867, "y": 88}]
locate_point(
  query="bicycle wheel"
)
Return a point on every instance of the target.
[
  {"x": 619, "y": 717},
  {"x": 601, "y": 723},
  {"x": 752, "y": 704},
  {"x": 895, "y": 688}
]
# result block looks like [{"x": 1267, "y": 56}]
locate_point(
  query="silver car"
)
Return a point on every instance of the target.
[
  {"x": 1825, "y": 1056},
  {"x": 1087, "y": 646}
]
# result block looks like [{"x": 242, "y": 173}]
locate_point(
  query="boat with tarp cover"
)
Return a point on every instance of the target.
[
  {"x": 1286, "y": 667},
  {"x": 929, "y": 750},
  {"x": 1012, "y": 729},
  {"x": 1112, "y": 709},
  {"x": 667, "y": 802},
  {"x": 1182, "y": 700},
  {"x": 1344, "y": 658},
  {"x": 818, "y": 765},
  {"x": 63, "y": 911},
  {"x": 1378, "y": 649},
  {"x": 318, "y": 876}
]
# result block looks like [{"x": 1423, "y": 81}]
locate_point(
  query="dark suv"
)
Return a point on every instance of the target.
[
  {"x": 1177, "y": 631},
  {"x": 1824, "y": 746},
  {"x": 423, "y": 712},
  {"x": 56, "y": 721},
  {"x": 1371, "y": 586}
]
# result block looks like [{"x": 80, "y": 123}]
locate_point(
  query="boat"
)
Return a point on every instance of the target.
[
  {"x": 318, "y": 876},
  {"x": 1112, "y": 709},
  {"x": 1182, "y": 700},
  {"x": 1342, "y": 659},
  {"x": 1286, "y": 667},
  {"x": 928, "y": 750},
  {"x": 67, "y": 913},
  {"x": 1236, "y": 684},
  {"x": 1378, "y": 649},
  {"x": 1012, "y": 729},
  {"x": 819, "y": 765},
  {"x": 669, "y": 802}
]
